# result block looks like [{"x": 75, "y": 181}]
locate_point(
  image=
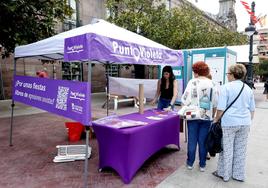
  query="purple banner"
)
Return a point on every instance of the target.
[
  {"x": 66, "y": 98},
  {"x": 95, "y": 47}
]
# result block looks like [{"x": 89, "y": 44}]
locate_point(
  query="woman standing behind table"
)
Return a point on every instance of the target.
[
  {"x": 200, "y": 95},
  {"x": 235, "y": 124},
  {"x": 167, "y": 89}
]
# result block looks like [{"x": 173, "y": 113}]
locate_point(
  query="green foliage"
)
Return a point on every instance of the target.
[
  {"x": 27, "y": 21},
  {"x": 180, "y": 28},
  {"x": 262, "y": 68}
]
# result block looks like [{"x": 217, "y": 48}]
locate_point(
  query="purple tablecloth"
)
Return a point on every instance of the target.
[{"x": 125, "y": 150}]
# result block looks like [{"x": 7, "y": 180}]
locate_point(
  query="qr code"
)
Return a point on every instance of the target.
[{"x": 62, "y": 98}]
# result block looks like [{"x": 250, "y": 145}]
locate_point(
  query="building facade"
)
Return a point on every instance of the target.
[
  {"x": 84, "y": 12},
  {"x": 226, "y": 15},
  {"x": 261, "y": 39},
  {"x": 214, "y": 20}
]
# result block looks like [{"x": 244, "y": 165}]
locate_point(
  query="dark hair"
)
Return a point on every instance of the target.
[
  {"x": 169, "y": 70},
  {"x": 200, "y": 68},
  {"x": 171, "y": 76}
]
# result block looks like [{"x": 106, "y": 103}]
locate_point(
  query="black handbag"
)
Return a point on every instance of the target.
[
  {"x": 213, "y": 140},
  {"x": 214, "y": 137}
]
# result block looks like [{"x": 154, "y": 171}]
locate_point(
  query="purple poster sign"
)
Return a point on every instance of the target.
[
  {"x": 96, "y": 47},
  {"x": 66, "y": 98}
]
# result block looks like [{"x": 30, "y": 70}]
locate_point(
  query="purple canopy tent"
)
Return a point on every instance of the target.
[
  {"x": 101, "y": 41},
  {"x": 92, "y": 46},
  {"x": 109, "y": 44}
]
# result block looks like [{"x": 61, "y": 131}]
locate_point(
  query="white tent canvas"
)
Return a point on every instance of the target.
[
  {"x": 242, "y": 52},
  {"x": 53, "y": 47}
]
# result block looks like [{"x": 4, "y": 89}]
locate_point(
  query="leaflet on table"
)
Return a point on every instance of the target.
[
  {"x": 154, "y": 118},
  {"x": 116, "y": 122},
  {"x": 163, "y": 112}
]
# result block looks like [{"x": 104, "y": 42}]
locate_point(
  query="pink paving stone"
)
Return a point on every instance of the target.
[{"x": 29, "y": 163}]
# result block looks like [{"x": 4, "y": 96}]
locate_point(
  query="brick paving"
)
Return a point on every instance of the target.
[{"x": 29, "y": 162}]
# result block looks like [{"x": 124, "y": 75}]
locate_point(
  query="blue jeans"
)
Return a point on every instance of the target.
[
  {"x": 164, "y": 103},
  {"x": 197, "y": 133}
]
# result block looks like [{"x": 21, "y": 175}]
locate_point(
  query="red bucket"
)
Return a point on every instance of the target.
[{"x": 75, "y": 130}]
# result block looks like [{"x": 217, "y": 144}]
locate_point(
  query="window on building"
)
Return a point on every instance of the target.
[
  {"x": 108, "y": 12},
  {"x": 70, "y": 23},
  {"x": 113, "y": 70}
]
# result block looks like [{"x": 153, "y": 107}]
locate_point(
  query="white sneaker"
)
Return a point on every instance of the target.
[
  {"x": 202, "y": 169},
  {"x": 189, "y": 167}
]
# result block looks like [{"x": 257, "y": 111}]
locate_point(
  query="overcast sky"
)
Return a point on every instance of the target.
[{"x": 242, "y": 16}]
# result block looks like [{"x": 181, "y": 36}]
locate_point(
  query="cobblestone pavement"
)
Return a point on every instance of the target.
[{"x": 29, "y": 163}]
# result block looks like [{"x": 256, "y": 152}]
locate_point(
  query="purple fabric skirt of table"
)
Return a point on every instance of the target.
[{"x": 125, "y": 150}]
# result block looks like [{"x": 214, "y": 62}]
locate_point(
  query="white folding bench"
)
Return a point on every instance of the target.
[{"x": 117, "y": 99}]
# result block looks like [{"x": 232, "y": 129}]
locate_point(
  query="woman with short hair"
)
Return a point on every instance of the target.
[
  {"x": 235, "y": 124},
  {"x": 200, "y": 94}
]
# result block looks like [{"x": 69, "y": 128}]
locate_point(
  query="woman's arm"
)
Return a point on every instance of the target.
[
  {"x": 175, "y": 92},
  {"x": 218, "y": 115},
  {"x": 214, "y": 110}
]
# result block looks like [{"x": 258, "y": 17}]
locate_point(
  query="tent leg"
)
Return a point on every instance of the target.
[
  {"x": 11, "y": 125},
  {"x": 89, "y": 69},
  {"x": 86, "y": 159},
  {"x": 87, "y": 135},
  {"x": 108, "y": 89},
  {"x": 12, "y": 109},
  {"x": 54, "y": 70}
]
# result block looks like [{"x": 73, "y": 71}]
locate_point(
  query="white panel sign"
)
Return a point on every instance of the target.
[
  {"x": 198, "y": 57},
  {"x": 130, "y": 87},
  {"x": 216, "y": 65},
  {"x": 231, "y": 60}
]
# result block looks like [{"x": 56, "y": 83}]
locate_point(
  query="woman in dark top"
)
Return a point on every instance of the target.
[{"x": 166, "y": 93}]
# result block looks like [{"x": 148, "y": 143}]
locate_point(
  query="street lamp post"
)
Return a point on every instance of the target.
[{"x": 250, "y": 30}]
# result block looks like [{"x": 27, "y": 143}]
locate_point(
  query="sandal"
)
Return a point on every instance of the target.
[
  {"x": 218, "y": 176},
  {"x": 238, "y": 180}
]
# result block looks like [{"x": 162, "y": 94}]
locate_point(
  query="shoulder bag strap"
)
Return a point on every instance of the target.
[{"x": 233, "y": 100}]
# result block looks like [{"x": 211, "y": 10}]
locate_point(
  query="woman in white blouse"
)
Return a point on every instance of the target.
[{"x": 200, "y": 94}]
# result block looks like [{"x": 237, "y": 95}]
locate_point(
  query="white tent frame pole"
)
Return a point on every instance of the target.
[
  {"x": 89, "y": 74},
  {"x": 86, "y": 158},
  {"x": 89, "y": 67},
  {"x": 107, "y": 66},
  {"x": 87, "y": 132},
  {"x": 12, "y": 107}
]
